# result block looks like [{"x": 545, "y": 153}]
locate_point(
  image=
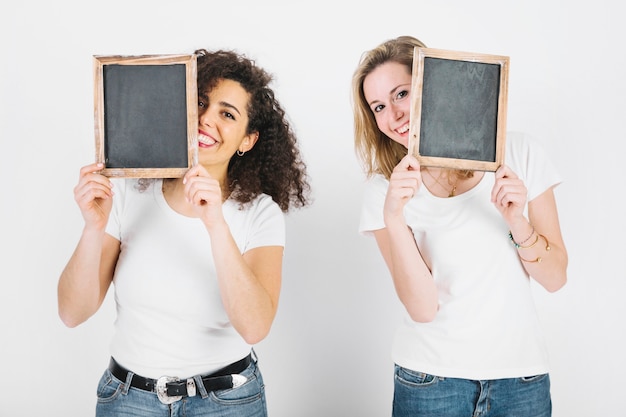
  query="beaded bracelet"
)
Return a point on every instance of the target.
[
  {"x": 539, "y": 257},
  {"x": 519, "y": 245},
  {"x": 529, "y": 246}
]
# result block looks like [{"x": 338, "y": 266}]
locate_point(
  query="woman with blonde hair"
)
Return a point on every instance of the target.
[{"x": 461, "y": 247}]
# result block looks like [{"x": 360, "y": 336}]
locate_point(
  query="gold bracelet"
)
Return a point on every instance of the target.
[
  {"x": 528, "y": 260},
  {"x": 539, "y": 259}
]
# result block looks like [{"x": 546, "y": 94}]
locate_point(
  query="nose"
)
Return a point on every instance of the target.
[
  {"x": 205, "y": 118},
  {"x": 397, "y": 111}
]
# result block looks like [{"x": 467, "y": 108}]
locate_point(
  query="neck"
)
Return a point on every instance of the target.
[{"x": 445, "y": 182}]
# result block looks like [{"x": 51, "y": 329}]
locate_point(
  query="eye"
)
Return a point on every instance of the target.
[
  {"x": 228, "y": 115},
  {"x": 402, "y": 94},
  {"x": 378, "y": 109}
]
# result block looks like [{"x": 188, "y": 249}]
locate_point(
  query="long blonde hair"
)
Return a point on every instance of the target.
[{"x": 376, "y": 151}]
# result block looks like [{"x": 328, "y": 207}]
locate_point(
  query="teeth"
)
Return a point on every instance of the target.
[
  {"x": 205, "y": 140},
  {"x": 403, "y": 128}
]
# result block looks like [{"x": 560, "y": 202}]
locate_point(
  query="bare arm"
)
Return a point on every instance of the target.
[
  {"x": 88, "y": 274},
  {"x": 87, "y": 277},
  {"x": 412, "y": 279},
  {"x": 541, "y": 247},
  {"x": 546, "y": 261},
  {"x": 250, "y": 282},
  {"x": 411, "y": 276}
]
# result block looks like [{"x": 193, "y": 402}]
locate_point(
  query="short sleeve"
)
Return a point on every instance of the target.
[
  {"x": 268, "y": 225},
  {"x": 373, "y": 202},
  {"x": 114, "y": 226},
  {"x": 528, "y": 159}
]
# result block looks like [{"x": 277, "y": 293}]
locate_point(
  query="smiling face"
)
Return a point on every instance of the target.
[
  {"x": 387, "y": 91},
  {"x": 222, "y": 124}
]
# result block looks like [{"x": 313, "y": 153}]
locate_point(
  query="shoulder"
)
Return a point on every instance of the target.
[
  {"x": 261, "y": 205},
  {"x": 523, "y": 150},
  {"x": 519, "y": 142},
  {"x": 264, "y": 200},
  {"x": 376, "y": 184},
  {"x": 259, "y": 222},
  {"x": 374, "y": 194},
  {"x": 375, "y": 191},
  {"x": 528, "y": 159}
]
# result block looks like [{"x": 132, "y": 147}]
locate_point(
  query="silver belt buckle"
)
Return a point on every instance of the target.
[{"x": 161, "y": 390}]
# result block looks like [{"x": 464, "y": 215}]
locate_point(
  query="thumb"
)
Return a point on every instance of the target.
[{"x": 409, "y": 163}]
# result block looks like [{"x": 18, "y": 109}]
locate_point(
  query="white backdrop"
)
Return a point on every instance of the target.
[{"x": 328, "y": 353}]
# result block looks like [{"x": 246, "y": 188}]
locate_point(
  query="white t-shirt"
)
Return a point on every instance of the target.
[
  {"x": 170, "y": 317},
  {"x": 486, "y": 326}
]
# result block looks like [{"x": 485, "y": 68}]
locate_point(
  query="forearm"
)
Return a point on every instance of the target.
[
  {"x": 412, "y": 278},
  {"x": 250, "y": 296},
  {"x": 79, "y": 290},
  {"x": 543, "y": 255}
]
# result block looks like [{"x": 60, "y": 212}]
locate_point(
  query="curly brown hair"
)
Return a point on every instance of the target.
[{"x": 274, "y": 165}]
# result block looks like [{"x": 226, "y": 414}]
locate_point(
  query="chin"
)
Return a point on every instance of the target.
[{"x": 402, "y": 141}]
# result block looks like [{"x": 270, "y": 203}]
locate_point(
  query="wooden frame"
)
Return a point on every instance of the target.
[
  {"x": 146, "y": 115},
  {"x": 458, "y": 109}
]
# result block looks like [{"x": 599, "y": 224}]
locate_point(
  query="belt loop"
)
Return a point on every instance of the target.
[
  {"x": 200, "y": 386},
  {"x": 255, "y": 358},
  {"x": 129, "y": 379}
]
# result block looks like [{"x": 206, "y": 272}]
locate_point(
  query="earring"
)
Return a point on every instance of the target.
[{"x": 240, "y": 153}]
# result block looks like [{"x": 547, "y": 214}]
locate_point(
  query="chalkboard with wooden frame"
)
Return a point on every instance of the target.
[
  {"x": 458, "y": 109},
  {"x": 146, "y": 115}
]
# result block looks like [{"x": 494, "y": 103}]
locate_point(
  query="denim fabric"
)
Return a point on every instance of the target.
[
  {"x": 115, "y": 399},
  {"x": 424, "y": 395}
]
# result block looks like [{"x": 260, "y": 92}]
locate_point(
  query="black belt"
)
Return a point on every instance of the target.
[{"x": 170, "y": 389}]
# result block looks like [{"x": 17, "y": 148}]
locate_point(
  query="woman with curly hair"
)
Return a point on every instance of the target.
[{"x": 196, "y": 261}]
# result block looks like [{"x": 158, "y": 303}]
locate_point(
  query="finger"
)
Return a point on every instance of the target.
[
  {"x": 505, "y": 172},
  {"x": 94, "y": 183},
  {"x": 200, "y": 190},
  {"x": 412, "y": 175},
  {"x": 413, "y": 163},
  {"x": 511, "y": 196},
  {"x": 499, "y": 194},
  {"x": 92, "y": 191},
  {"x": 408, "y": 162},
  {"x": 406, "y": 181},
  {"x": 203, "y": 197},
  {"x": 195, "y": 171},
  {"x": 404, "y": 188},
  {"x": 91, "y": 168},
  {"x": 192, "y": 172}
]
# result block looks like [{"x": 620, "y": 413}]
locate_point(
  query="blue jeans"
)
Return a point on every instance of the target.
[
  {"x": 116, "y": 399},
  {"x": 424, "y": 395}
]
